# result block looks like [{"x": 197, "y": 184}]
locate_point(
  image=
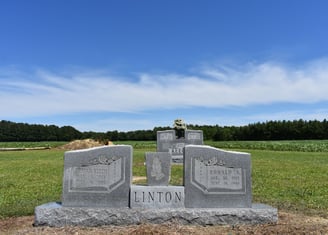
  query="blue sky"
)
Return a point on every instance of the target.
[{"x": 131, "y": 65}]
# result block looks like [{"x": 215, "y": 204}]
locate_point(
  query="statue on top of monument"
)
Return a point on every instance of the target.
[{"x": 179, "y": 126}]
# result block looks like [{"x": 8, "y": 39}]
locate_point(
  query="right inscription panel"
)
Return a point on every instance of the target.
[{"x": 216, "y": 178}]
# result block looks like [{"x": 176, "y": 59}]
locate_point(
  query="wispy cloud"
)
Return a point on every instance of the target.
[{"x": 43, "y": 93}]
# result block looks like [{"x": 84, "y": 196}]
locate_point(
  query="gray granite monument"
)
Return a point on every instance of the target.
[
  {"x": 97, "y": 190},
  {"x": 97, "y": 177}
]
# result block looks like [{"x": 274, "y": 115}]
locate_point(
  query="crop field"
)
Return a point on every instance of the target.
[
  {"x": 287, "y": 145},
  {"x": 290, "y": 175}
]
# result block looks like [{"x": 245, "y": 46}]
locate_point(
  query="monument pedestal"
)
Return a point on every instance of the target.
[{"x": 55, "y": 215}]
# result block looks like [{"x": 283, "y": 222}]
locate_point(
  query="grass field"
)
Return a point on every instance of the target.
[{"x": 290, "y": 180}]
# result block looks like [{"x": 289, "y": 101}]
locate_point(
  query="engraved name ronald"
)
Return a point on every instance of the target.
[{"x": 212, "y": 176}]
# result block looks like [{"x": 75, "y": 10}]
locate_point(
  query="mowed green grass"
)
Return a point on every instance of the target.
[
  {"x": 295, "y": 181},
  {"x": 29, "y": 178},
  {"x": 289, "y": 180}
]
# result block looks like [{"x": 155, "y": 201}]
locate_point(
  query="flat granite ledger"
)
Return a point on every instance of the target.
[
  {"x": 97, "y": 177},
  {"x": 158, "y": 168},
  {"x": 214, "y": 178}
]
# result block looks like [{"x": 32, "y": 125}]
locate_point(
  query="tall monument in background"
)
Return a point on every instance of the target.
[{"x": 173, "y": 141}]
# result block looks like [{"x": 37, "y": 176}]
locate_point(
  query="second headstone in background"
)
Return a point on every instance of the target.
[
  {"x": 158, "y": 168},
  {"x": 168, "y": 142}
]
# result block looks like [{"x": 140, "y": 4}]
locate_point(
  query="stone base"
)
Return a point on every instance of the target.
[{"x": 55, "y": 215}]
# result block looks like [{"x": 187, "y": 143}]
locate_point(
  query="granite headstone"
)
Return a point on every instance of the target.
[
  {"x": 215, "y": 178},
  {"x": 97, "y": 177},
  {"x": 167, "y": 141}
]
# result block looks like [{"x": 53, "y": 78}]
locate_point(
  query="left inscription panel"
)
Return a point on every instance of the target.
[{"x": 97, "y": 177}]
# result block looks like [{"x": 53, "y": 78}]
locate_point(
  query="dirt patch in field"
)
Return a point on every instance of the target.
[
  {"x": 83, "y": 144},
  {"x": 288, "y": 223}
]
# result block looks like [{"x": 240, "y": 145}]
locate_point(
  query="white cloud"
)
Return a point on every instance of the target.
[{"x": 45, "y": 93}]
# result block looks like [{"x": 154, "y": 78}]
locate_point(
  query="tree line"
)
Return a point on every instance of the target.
[
  {"x": 11, "y": 131},
  {"x": 270, "y": 130}
]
